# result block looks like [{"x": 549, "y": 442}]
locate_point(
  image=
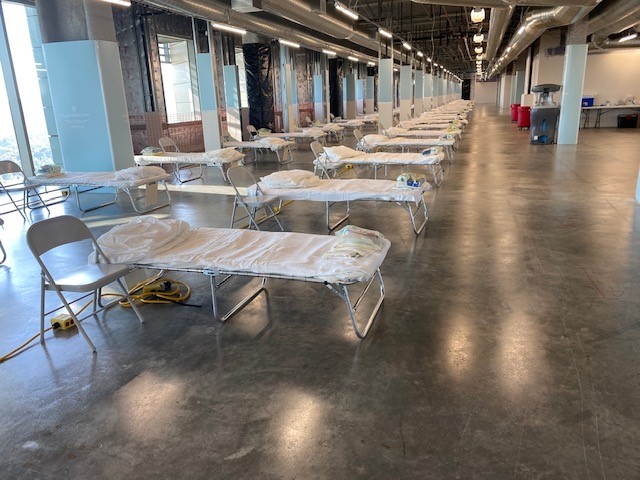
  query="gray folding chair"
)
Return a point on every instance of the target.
[
  {"x": 56, "y": 235},
  {"x": 253, "y": 133},
  {"x": 323, "y": 163},
  {"x": 14, "y": 181},
  {"x": 4, "y": 252},
  {"x": 168, "y": 145},
  {"x": 240, "y": 179}
]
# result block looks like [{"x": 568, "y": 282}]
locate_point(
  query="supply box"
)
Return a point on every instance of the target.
[{"x": 588, "y": 100}]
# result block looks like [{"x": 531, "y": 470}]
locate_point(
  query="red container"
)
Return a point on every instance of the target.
[
  {"x": 524, "y": 117},
  {"x": 514, "y": 112}
]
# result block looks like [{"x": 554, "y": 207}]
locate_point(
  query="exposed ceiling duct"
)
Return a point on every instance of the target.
[
  {"x": 499, "y": 19},
  {"x": 535, "y": 25},
  {"x": 510, "y": 3},
  {"x": 599, "y": 38},
  {"x": 214, "y": 11},
  {"x": 615, "y": 12}
]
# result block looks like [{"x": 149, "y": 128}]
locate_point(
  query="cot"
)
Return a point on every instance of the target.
[
  {"x": 122, "y": 180},
  {"x": 282, "y": 148},
  {"x": 222, "y": 253},
  {"x": 333, "y": 191},
  {"x": 375, "y": 142},
  {"x": 222, "y": 159}
]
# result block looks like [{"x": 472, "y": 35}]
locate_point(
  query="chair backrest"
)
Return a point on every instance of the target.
[
  {"x": 316, "y": 148},
  {"x": 240, "y": 179},
  {"x": 50, "y": 233},
  {"x": 382, "y": 130},
  {"x": 167, "y": 145},
  {"x": 7, "y": 166},
  {"x": 358, "y": 134},
  {"x": 308, "y": 120}
]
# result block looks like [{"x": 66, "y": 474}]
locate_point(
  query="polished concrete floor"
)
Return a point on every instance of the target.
[{"x": 507, "y": 347}]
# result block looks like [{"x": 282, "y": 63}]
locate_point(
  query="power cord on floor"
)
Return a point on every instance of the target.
[{"x": 155, "y": 289}]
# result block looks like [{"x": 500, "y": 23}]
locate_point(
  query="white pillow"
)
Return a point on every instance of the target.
[
  {"x": 289, "y": 179},
  {"x": 374, "y": 138},
  {"x": 340, "y": 153},
  {"x": 312, "y": 131}
]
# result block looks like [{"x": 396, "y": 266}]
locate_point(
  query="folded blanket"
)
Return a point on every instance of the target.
[
  {"x": 271, "y": 142},
  {"x": 136, "y": 173},
  {"x": 356, "y": 242},
  {"x": 313, "y": 131},
  {"x": 291, "y": 179},
  {"x": 229, "y": 154}
]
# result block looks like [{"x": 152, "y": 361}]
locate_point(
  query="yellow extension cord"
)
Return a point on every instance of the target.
[{"x": 178, "y": 293}]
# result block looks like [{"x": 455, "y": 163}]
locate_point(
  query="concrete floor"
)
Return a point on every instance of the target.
[{"x": 507, "y": 346}]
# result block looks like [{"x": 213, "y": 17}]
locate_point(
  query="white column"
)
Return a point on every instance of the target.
[
  {"x": 575, "y": 63},
  {"x": 419, "y": 93},
  {"x": 385, "y": 92},
  {"x": 318, "y": 97},
  {"x": 208, "y": 101},
  {"x": 349, "y": 93},
  {"x": 369, "y": 106},
  {"x": 428, "y": 91},
  {"x": 406, "y": 91}
]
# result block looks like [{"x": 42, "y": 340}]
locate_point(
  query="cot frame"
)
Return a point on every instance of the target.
[
  {"x": 178, "y": 166},
  {"x": 340, "y": 289}
]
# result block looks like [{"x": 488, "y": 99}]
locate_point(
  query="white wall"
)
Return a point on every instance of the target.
[
  {"x": 547, "y": 69},
  {"x": 485, "y": 92}
]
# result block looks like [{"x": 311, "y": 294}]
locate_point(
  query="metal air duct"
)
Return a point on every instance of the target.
[
  {"x": 535, "y": 25},
  {"x": 499, "y": 19},
  {"x": 615, "y": 12},
  {"x": 510, "y": 3},
  {"x": 599, "y": 38}
]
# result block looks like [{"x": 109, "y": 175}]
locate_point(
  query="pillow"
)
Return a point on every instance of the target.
[
  {"x": 340, "y": 153},
  {"x": 374, "y": 138},
  {"x": 312, "y": 131},
  {"x": 290, "y": 179}
]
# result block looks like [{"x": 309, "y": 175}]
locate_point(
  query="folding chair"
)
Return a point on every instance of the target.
[
  {"x": 13, "y": 180},
  {"x": 169, "y": 146},
  {"x": 253, "y": 133},
  {"x": 240, "y": 179},
  {"x": 4, "y": 252},
  {"x": 323, "y": 163},
  {"x": 58, "y": 234}
]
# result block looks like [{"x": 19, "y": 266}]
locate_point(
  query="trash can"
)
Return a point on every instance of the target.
[
  {"x": 524, "y": 117},
  {"x": 628, "y": 121},
  {"x": 514, "y": 112}
]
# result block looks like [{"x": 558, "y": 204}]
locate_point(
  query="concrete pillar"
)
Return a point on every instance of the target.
[
  {"x": 211, "y": 130},
  {"x": 369, "y": 105},
  {"x": 359, "y": 96},
  {"x": 575, "y": 64},
  {"x": 232, "y": 100},
  {"x": 385, "y": 92},
  {"x": 518, "y": 86},
  {"x": 349, "y": 95},
  {"x": 90, "y": 109},
  {"x": 419, "y": 93},
  {"x": 638, "y": 189},
  {"x": 505, "y": 91},
  {"x": 318, "y": 98},
  {"x": 406, "y": 91},
  {"x": 428, "y": 92}
]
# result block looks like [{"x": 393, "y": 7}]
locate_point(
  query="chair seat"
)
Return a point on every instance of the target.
[
  {"x": 260, "y": 200},
  {"x": 90, "y": 277}
]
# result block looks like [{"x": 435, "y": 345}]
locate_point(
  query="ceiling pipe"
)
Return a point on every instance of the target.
[
  {"x": 499, "y": 19},
  {"x": 614, "y": 44},
  {"x": 532, "y": 27},
  {"x": 510, "y": 3},
  {"x": 213, "y": 11},
  {"x": 615, "y": 12},
  {"x": 599, "y": 38}
]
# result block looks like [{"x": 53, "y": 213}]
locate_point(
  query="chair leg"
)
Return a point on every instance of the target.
[
  {"x": 42, "y": 283},
  {"x": 275, "y": 217},
  {"x": 233, "y": 212},
  {"x": 75, "y": 319},
  {"x": 130, "y": 300}
]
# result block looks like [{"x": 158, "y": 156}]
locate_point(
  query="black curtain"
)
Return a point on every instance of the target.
[
  {"x": 335, "y": 88},
  {"x": 257, "y": 60}
]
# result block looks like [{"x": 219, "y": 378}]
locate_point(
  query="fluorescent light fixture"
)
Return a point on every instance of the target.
[
  {"x": 122, "y": 3},
  {"x": 478, "y": 57},
  {"x": 420, "y": 54},
  {"x": 371, "y": 64},
  {"x": 436, "y": 65},
  {"x": 628, "y": 37},
  {"x": 429, "y": 59},
  {"x": 289, "y": 44},
  {"x": 395, "y": 69},
  {"x": 478, "y": 38},
  {"x": 478, "y": 49},
  {"x": 353, "y": 59},
  {"x": 228, "y": 28},
  {"x": 343, "y": 9},
  {"x": 508, "y": 49},
  {"x": 477, "y": 15},
  {"x": 328, "y": 52},
  {"x": 406, "y": 46},
  {"x": 385, "y": 33},
  {"x": 521, "y": 30}
]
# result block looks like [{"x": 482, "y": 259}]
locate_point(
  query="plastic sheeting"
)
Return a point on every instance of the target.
[{"x": 258, "y": 67}]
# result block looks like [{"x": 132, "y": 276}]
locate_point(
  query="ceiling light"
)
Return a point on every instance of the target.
[
  {"x": 328, "y": 52},
  {"x": 353, "y": 59},
  {"x": 371, "y": 64},
  {"x": 343, "y": 8},
  {"x": 385, "y": 33},
  {"x": 395, "y": 69},
  {"x": 521, "y": 30},
  {"x": 420, "y": 54},
  {"x": 508, "y": 49},
  {"x": 228, "y": 28},
  {"x": 289, "y": 44},
  {"x": 477, "y": 15},
  {"x": 478, "y": 49},
  {"x": 435, "y": 65},
  {"x": 429, "y": 59},
  {"x": 478, "y": 57},
  {"x": 406, "y": 45},
  {"x": 478, "y": 38},
  {"x": 122, "y": 3},
  {"x": 628, "y": 37}
]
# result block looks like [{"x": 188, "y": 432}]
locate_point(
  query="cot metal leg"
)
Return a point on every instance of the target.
[
  {"x": 4, "y": 253},
  {"x": 341, "y": 220},
  {"x": 90, "y": 209},
  {"x": 152, "y": 207},
  {"x": 352, "y": 308},
  {"x": 239, "y": 306},
  {"x": 413, "y": 214},
  {"x": 435, "y": 173}
]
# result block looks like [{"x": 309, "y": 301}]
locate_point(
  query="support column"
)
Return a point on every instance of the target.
[
  {"x": 575, "y": 64},
  {"x": 90, "y": 109},
  {"x": 385, "y": 92},
  {"x": 208, "y": 101},
  {"x": 359, "y": 96},
  {"x": 369, "y": 105},
  {"x": 505, "y": 91},
  {"x": 349, "y": 95},
  {"x": 406, "y": 91},
  {"x": 318, "y": 98},
  {"x": 419, "y": 93},
  {"x": 232, "y": 100},
  {"x": 289, "y": 94},
  {"x": 428, "y": 92}
]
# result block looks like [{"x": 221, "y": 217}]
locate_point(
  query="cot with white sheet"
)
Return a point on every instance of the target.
[
  {"x": 126, "y": 180},
  {"x": 332, "y": 129},
  {"x": 415, "y": 125},
  {"x": 386, "y": 159},
  {"x": 416, "y": 133},
  {"x": 282, "y": 149},
  {"x": 181, "y": 161},
  {"x": 333, "y": 191},
  {"x": 222, "y": 253},
  {"x": 407, "y": 143},
  {"x": 318, "y": 136}
]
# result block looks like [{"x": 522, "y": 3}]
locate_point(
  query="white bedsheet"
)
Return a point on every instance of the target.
[
  {"x": 204, "y": 158},
  {"x": 394, "y": 158},
  {"x": 337, "y": 190},
  {"x": 103, "y": 179},
  {"x": 405, "y": 132},
  {"x": 411, "y": 142},
  {"x": 261, "y": 144},
  {"x": 143, "y": 241}
]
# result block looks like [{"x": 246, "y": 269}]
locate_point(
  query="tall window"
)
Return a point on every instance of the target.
[{"x": 179, "y": 79}]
